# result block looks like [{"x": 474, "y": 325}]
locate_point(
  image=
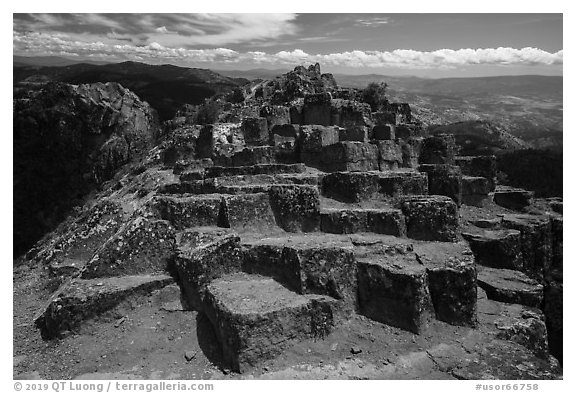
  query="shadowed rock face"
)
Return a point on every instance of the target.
[{"x": 67, "y": 140}]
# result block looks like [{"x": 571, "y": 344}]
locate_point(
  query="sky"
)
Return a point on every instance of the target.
[{"x": 428, "y": 45}]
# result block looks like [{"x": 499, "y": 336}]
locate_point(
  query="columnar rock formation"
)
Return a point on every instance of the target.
[{"x": 283, "y": 225}]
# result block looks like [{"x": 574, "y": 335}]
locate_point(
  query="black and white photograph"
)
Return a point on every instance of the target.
[{"x": 286, "y": 196}]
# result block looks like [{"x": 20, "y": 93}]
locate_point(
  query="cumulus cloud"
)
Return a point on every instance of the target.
[
  {"x": 185, "y": 30},
  {"x": 158, "y": 51}
]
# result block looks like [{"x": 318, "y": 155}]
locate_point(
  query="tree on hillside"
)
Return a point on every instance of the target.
[{"x": 375, "y": 95}]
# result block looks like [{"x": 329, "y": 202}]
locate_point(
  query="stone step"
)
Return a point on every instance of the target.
[
  {"x": 292, "y": 207},
  {"x": 204, "y": 255},
  {"x": 362, "y": 186},
  {"x": 513, "y": 198},
  {"x": 392, "y": 289},
  {"x": 80, "y": 300},
  {"x": 430, "y": 217},
  {"x": 350, "y": 220},
  {"x": 510, "y": 286},
  {"x": 405, "y": 284},
  {"x": 262, "y": 169},
  {"x": 191, "y": 210},
  {"x": 496, "y": 248},
  {"x": 307, "y": 264},
  {"x": 403, "y": 182},
  {"x": 256, "y": 319}
]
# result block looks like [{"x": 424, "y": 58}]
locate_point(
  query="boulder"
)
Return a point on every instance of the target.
[
  {"x": 430, "y": 217},
  {"x": 198, "y": 265},
  {"x": 513, "y": 198},
  {"x": 385, "y": 132},
  {"x": 382, "y": 118},
  {"x": 275, "y": 115},
  {"x": 479, "y": 166},
  {"x": 267, "y": 169},
  {"x": 143, "y": 246},
  {"x": 313, "y": 139},
  {"x": 452, "y": 284},
  {"x": 384, "y": 221},
  {"x": 248, "y": 212},
  {"x": 444, "y": 180},
  {"x": 389, "y": 155},
  {"x": 345, "y": 113},
  {"x": 393, "y": 289},
  {"x": 218, "y": 141},
  {"x": 354, "y": 134},
  {"x": 81, "y": 300},
  {"x": 553, "y": 302},
  {"x": 438, "y": 149},
  {"x": 535, "y": 242},
  {"x": 475, "y": 190},
  {"x": 296, "y": 207},
  {"x": 499, "y": 249},
  {"x": 397, "y": 183},
  {"x": 254, "y": 155},
  {"x": 317, "y": 109},
  {"x": 256, "y": 319},
  {"x": 510, "y": 286},
  {"x": 411, "y": 151},
  {"x": 350, "y": 186},
  {"x": 191, "y": 211},
  {"x": 349, "y": 156}
]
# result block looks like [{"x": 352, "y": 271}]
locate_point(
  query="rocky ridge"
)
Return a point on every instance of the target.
[{"x": 310, "y": 220}]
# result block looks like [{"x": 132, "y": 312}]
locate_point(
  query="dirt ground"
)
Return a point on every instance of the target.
[{"x": 152, "y": 337}]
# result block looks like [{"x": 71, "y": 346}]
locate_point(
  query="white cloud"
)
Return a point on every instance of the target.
[{"x": 158, "y": 50}]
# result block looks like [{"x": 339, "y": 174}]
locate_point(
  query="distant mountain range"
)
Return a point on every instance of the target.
[
  {"x": 165, "y": 87},
  {"x": 527, "y": 106}
]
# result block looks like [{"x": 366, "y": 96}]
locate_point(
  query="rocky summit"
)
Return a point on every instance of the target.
[{"x": 300, "y": 235}]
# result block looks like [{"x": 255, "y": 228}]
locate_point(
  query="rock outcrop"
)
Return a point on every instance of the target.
[{"x": 68, "y": 140}]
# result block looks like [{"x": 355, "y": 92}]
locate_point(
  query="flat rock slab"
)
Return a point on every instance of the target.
[
  {"x": 385, "y": 221},
  {"x": 514, "y": 322},
  {"x": 430, "y": 217},
  {"x": 513, "y": 198},
  {"x": 392, "y": 289},
  {"x": 496, "y": 248},
  {"x": 84, "y": 299},
  {"x": 451, "y": 280},
  {"x": 398, "y": 183},
  {"x": 256, "y": 318},
  {"x": 142, "y": 246},
  {"x": 510, "y": 286},
  {"x": 350, "y": 186},
  {"x": 306, "y": 264}
]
